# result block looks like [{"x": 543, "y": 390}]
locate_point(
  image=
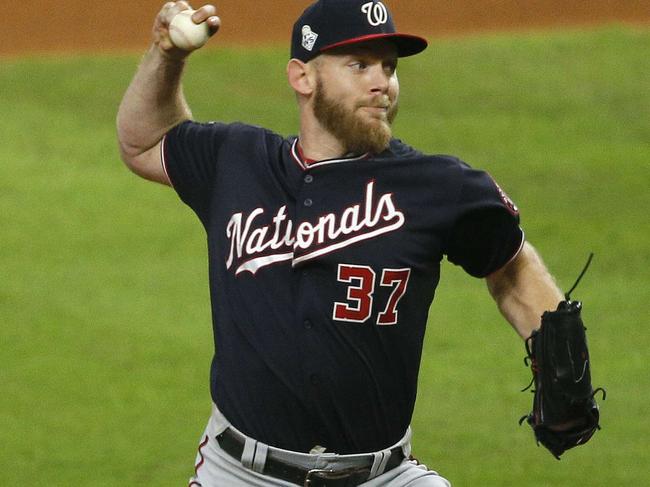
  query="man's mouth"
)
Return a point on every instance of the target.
[{"x": 377, "y": 110}]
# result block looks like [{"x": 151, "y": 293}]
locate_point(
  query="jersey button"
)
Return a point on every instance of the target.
[
  {"x": 308, "y": 324},
  {"x": 314, "y": 379},
  {"x": 309, "y": 178},
  {"x": 308, "y": 202}
]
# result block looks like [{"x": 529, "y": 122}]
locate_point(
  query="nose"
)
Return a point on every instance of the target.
[{"x": 380, "y": 79}]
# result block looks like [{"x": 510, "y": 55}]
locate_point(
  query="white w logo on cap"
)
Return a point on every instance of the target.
[{"x": 377, "y": 13}]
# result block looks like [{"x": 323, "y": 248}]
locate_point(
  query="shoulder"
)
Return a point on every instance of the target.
[
  {"x": 216, "y": 128},
  {"x": 407, "y": 153}
]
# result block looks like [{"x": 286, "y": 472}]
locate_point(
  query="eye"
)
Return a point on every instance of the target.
[
  {"x": 390, "y": 67},
  {"x": 358, "y": 66}
]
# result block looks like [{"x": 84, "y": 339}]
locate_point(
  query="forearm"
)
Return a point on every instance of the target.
[
  {"x": 154, "y": 101},
  {"x": 523, "y": 290},
  {"x": 152, "y": 104}
]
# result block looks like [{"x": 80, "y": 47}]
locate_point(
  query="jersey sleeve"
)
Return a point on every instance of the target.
[
  {"x": 485, "y": 233},
  {"x": 190, "y": 154}
]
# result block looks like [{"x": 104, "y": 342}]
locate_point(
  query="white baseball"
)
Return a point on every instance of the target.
[{"x": 187, "y": 35}]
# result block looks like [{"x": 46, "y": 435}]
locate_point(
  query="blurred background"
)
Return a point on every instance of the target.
[
  {"x": 78, "y": 25},
  {"x": 105, "y": 330}
]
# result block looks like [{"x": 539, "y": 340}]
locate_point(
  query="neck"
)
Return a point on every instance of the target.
[{"x": 317, "y": 143}]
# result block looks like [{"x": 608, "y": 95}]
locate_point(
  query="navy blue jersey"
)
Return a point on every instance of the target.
[{"x": 321, "y": 276}]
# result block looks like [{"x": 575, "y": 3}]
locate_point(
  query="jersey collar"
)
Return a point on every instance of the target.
[{"x": 305, "y": 163}]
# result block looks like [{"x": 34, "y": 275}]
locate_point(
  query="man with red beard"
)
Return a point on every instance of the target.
[
  {"x": 358, "y": 118},
  {"x": 324, "y": 253}
]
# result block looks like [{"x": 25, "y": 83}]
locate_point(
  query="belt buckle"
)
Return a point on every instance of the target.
[{"x": 329, "y": 474}]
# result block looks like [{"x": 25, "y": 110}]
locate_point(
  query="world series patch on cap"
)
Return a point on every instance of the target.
[{"x": 327, "y": 24}]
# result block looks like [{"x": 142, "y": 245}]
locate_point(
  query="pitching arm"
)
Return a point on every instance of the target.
[
  {"x": 523, "y": 290},
  {"x": 154, "y": 101}
]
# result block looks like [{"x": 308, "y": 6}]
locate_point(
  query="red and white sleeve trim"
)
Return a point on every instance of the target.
[
  {"x": 517, "y": 252},
  {"x": 163, "y": 159}
]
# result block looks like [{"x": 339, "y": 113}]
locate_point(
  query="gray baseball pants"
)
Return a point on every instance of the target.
[{"x": 216, "y": 468}]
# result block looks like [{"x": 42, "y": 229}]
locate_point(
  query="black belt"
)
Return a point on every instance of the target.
[{"x": 233, "y": 444}]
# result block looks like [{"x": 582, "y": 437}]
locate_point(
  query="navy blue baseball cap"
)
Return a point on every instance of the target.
[{"x": 327, "y": 24}]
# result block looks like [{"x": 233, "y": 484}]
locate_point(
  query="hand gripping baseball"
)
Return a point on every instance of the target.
[{"x": 179, "y": 30}]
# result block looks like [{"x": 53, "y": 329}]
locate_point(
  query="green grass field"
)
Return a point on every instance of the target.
[{"x": 104, "y": 312}]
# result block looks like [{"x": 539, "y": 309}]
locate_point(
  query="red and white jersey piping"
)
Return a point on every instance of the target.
[{"x": 305, "y": 164}]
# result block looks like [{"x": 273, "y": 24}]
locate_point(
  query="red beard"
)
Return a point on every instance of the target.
[{"x": 357, "y": 134}]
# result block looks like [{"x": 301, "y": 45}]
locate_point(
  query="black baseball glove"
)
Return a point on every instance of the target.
[{"x": 565, "y": 413}]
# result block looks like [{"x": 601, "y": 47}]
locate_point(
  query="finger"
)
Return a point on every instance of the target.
[
  {"x": 161, "y": 28},
  {"x": 167, "y": 13},
  {"x": 207, "y": 14},
  {"x": 166, "y": 45},
  {"x": 202, "y": 14},
  {"x": 173, "y": 10},
  {"x": 214, "y": 24},
  {"x": 162, "y": 14}
]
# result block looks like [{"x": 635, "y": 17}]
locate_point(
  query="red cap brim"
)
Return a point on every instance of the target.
[{"x": 407, "y": 44}]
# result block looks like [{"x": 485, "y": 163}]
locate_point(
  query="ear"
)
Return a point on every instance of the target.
[{"x": 300, "y": 77}]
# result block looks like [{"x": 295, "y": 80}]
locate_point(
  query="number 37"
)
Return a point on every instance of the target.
[{"x": 361, "y": 280}]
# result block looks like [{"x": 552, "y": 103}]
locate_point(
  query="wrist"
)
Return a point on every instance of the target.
[{"x": 172, "y": 55}]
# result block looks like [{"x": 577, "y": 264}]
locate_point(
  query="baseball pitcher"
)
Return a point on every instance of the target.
[{"x": 324, "y": 254}]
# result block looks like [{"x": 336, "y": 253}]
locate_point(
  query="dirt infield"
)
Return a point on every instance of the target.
[{"x": 79, "y": 25}]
